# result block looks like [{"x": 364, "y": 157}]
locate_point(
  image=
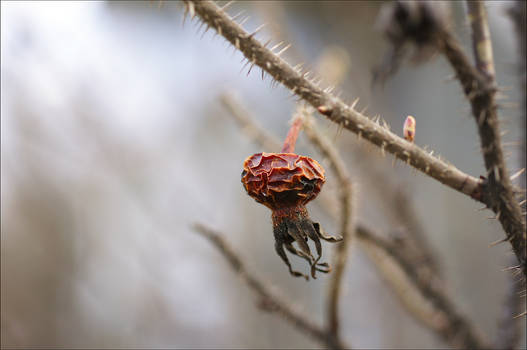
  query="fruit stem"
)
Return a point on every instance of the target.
[{"x": 292, "y": 135}]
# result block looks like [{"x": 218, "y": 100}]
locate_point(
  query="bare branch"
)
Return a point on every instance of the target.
[
  {"x": 423, "y": 299},
  {"x": 480, "y": 88},
  {"x": 481, "y": 43},
  {"x": 332, "y": 107},
  {"x": 454, "y": 327},
  {"x": 423, "y": 25},
  {"x": 256, "y": 132},
  {"x": 269, "y": 301},
  {"x": 346, "y": 222}
]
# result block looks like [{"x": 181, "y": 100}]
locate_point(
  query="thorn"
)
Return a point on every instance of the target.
[
  {"x": 257, "y": 30},
  {"x": 298, "y": 66},
  {"x": 267, "y": 43},
  {"x": 498, "y": 242},
  {"x": 520, "y": 315},
  {"x": 238, "y": 15},
  {"x": 245, "y": 65},
  {"x": 518, "y": 173},
  {"x": 511, "y": 268},
  {"x": 206, "y": 30},
  {"x": 276, "y": 46},
  {"x": 201, "y": 26},
  {"x": 244, "y": 21},
  {"x": 283, "y": 50},
  {"x": 224, "y": 7},
  {"x": 249, "y": 71},
  {"x": 354, "y": 103},
  {"x": 364, "y": 110},
  {"x": 191, "y": 9}
]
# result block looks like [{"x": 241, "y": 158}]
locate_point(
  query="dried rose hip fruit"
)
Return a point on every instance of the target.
[{"x": 285, "y": 182}]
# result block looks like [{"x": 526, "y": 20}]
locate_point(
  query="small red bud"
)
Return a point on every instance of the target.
[
  {"x": 325, "y": 110},
  {"x": 409, "y": 128}
]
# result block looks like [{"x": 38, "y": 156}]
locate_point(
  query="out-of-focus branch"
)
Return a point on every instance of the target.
[
  {"x": 269, "y": 300},
  {"x": 255, "y": 131},
  {"x": 481, "y": 43},
  {"x": 425, "y": 257},
  {"x": 421, "y": 294},
  {"x": 480, "y": 90},
  {"x": 345, "y": 215},
  {"x": 422, "y": 24},
  {"x": 453, "y": 327},
  {"x": 330, "y": 106}
]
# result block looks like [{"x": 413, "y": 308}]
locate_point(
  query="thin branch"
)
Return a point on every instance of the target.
[
  {"x": 498, "y": 196},
  {"x": 256, "y": 132},
  {"x": 346, "y": 222},
  {"x": 425, "y": 257},
  {"x": 399, "y": 208},
  {"x": 336, "y": 110},
  {"x": 481, "y": 43},
  {"x": 480, "y": 88},
  {"x": 455, "y": 328},
  {"x": 426, "y": 27},
  {"x": 420, "y": 298},
  {"x": 269, "y": 300}
]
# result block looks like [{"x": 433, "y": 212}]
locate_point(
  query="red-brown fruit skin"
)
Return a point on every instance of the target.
[{"x": 281, "y": 180}]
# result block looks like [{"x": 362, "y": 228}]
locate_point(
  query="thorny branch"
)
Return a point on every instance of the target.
[
  {"x": 480, "y": 88},
  {"x": 422, "y": 24},
  {"x": 510, "y": 322},
  {"x": 421, "y": 293},
  {"x": 260, "y": 135},
  {"x": 269, "y": 300},
  {"x": 349, "y": 118},
  {"x": 332, "y": 107}
]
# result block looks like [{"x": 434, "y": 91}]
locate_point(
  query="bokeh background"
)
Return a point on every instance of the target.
[{"x": 114, "y": 141}]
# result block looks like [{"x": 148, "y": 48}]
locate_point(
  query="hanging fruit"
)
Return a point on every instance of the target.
[{"x": 285, "y": 182}]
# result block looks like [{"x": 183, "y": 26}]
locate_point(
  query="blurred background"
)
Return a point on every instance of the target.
[{"x": 114, "y": 141}]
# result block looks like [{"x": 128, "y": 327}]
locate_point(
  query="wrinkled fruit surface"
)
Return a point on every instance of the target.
[{"x": 280, "y": 180}]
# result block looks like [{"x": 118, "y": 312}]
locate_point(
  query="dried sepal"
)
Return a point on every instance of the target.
[{"x": 293, "y": 226}]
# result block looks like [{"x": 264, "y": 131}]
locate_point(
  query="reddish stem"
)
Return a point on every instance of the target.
[{"x": 292, "y": 135}]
